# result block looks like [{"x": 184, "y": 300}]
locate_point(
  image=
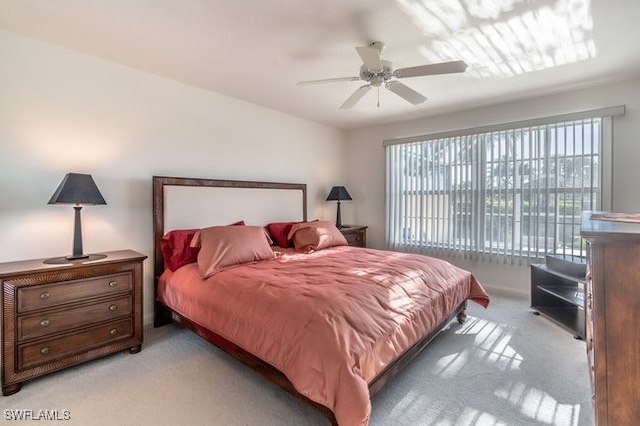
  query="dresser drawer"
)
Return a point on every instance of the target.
[
  {"x": 50, "y": 295},
  {"x": 46, "y": 323},
  {"x": 356, "y": 235},
  {"x": 355, "y": 239},
  {"x": 33, "y": 354}
]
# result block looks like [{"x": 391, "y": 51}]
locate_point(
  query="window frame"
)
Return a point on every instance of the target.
[{"x": 605, "y": 172}]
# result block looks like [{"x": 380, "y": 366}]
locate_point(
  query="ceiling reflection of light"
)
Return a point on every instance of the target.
[{"x": 499, "y": 39}]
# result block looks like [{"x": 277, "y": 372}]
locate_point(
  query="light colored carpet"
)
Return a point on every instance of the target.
[{"x": 505, "y": 366}]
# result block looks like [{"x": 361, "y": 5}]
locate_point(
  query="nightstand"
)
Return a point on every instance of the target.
[
  {"x": 356, "y": 235},
  {"x": 59, "y": 315}
]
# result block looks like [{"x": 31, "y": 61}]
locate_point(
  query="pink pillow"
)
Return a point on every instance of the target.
[
  {"x": 222, "y": 247},
  {"x": 311, "y": 236},
  {"x": 176, "y": 248},
  {"x": 195, "y": 242},
  {"x": 279, "y": 231}
]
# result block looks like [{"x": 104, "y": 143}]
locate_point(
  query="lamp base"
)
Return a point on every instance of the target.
[
  {"x": 338, "y": 217},
  {"x": 77, "y": 256},
  {"x": 64, "y": 260}
]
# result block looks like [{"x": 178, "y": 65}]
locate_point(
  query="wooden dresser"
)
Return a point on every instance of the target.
[
  {"x": 58, "y": 315},
  {"x": 612, "y": 305},
  {"x": 356, "y": 235}
]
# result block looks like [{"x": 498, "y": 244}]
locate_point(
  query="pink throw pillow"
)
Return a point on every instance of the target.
[
  {"x": 177, "y": 247},
  {"x": 317, "y": 235},
  {"x": 222, "y": 247},
  {"x": 195, "y": 242}
]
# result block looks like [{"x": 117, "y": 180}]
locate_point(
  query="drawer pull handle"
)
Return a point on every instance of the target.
[
  {"x": 113, "y": 332},
  {"x": 44, "y": 295},
  {"x": 113, "y": 307},
  {"x": 113, "y": 283},
  {"x": 45, "y": 350},
  {"x": 44, "y": 323}
]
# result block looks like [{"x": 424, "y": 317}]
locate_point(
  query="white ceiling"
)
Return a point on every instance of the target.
[{"x": 256, "y": 50}]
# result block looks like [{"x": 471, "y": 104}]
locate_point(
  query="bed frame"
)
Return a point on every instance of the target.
[{"x": 164, "y": 315}]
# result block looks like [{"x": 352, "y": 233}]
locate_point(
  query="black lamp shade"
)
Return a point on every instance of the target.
[
  {"x": 338, "y": 193},
  {"x": 77, "y": 188}
]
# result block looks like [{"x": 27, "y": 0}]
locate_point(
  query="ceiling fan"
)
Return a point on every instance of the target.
[{"x": 377, "y": 71}]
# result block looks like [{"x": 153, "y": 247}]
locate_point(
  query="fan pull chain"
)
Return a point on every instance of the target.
[{"x": 378, "y": 97}]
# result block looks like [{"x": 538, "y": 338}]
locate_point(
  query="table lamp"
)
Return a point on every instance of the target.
[
  {"x": 77, "y": 189},
  {"x": 338, "y": 193}
]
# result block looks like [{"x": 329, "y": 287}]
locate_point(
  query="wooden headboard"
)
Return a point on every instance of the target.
[{"x": 183, "y": 203}]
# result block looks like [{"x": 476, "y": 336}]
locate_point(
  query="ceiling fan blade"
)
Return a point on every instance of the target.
[
  {"x": 431, "y": 69},
  {"x": 405, "y": 92},
  {"x": 370, "y": 56},
  {"x": 356, "y": 96},
  {"x": 326, "y": 80}
]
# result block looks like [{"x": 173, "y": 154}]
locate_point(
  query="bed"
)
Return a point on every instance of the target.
[{"x": 327, "y": 322}]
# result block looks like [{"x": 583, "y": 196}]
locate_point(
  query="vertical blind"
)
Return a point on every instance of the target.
[{"x": 514, "y": 192}]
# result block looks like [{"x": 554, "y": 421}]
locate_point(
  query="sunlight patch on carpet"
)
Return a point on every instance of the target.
[
  {"x": 473, "y": 417},
  {"x": 492, "y": 342},
  {"x": 539, "y": 405}
]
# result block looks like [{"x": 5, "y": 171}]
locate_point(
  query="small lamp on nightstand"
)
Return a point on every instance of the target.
[
  {"x": 77, "y": 189},
  {"x": 338, "y": 193}
]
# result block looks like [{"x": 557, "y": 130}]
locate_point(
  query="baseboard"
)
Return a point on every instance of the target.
[{"x": 507, "y": 292}]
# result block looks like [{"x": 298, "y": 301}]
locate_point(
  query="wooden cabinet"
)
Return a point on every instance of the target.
[
  {"x": 613, "y": 316},
  {"x": 356, "y": 235},
  {"x": 59, "y": 315}
]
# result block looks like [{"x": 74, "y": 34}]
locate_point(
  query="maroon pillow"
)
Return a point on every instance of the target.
[
  {"x": 176, "y": 247},
  {"x": 279, "y": 232}
]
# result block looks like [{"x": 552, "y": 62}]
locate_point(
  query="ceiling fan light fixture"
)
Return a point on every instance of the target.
[{"x": 376, "y": 71}]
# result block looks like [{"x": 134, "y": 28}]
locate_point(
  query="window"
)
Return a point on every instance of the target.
[{"x": 513, "y": 192}]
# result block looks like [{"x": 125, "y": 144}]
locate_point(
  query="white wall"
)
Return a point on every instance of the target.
[
  {"x": 63, "y": 111},
  {"x": 365, "y": 177}
]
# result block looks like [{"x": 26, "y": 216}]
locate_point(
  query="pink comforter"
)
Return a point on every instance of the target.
[{"x": 330, "y": 320}]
